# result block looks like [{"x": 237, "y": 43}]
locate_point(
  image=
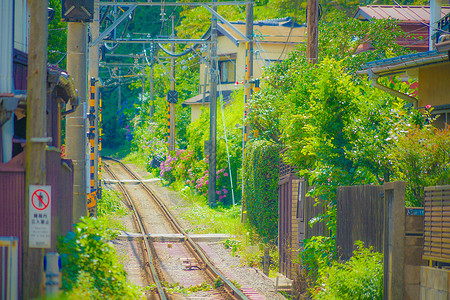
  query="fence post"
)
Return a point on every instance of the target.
[{"x": 394, "y": 240}]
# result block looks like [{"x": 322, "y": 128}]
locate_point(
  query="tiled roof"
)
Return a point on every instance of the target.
[
  {"x": 399, "y": 59},
  {"x": 403, "y": 13}
]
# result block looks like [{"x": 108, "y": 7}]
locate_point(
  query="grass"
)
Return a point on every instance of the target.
[
  {"x": 120, "y": 152},
  {"x": 110, "y": 208}
]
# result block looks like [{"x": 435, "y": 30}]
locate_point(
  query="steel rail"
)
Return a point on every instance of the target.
[
  {"x": 212, "y": 272},
  {"x": 144, "y": 233}
]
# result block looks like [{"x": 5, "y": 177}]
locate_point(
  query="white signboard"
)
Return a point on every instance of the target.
[{"x": 40, "y": 217}]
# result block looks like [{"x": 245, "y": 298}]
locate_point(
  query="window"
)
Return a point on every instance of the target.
[{"x": 227, "y": 69}]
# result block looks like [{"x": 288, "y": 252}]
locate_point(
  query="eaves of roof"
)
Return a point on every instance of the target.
[{"x": 400, "y": 64}]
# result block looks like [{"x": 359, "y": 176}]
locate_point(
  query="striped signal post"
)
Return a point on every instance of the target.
[
  {"x": 92, "y": 201},
  {"x": 168, "y": 128},
  {"x": 99, "y": 190}
]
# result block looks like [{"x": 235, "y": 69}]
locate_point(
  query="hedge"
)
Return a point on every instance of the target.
[{"x": 261, "y": 187}]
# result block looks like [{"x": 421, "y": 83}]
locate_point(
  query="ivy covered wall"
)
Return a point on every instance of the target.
[{"x": 261, "y": 187}]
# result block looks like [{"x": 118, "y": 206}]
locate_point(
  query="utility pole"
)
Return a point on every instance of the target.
[
  {"x": 172, "y": 88},
  {"x": 36, "y": 138},
  {"x": 76, "y": 122},
  {"x": 94, "y": 54},
  {"x": 213, "y": 111},
  {"x": 248, "y": 87},
  {"x": 312, "y": 52}
]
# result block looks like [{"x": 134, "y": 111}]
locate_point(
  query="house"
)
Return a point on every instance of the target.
[
  {"x": 411, "y": 19},
  {"x": 273, "y": 40},
  {"x": 431, "y": 70},
  {"x": 13, "y": 119}
]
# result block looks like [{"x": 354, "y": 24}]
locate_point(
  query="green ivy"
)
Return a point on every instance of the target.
[{"x": 261, "y": 187}]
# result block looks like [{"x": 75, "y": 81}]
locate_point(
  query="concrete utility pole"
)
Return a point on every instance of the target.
[
  {"x": 213, "y": 111},
  {"x": 248, "y": 75},
  {"x": 94, "y": 54},
  {"x": 36, "y": 137},
  {"x": 76, "y": 122},
  {"x": 312, "y": 51},
  {"x": 172, "y": 88}
]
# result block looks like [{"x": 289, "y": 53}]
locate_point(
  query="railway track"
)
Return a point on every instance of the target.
[{"x": 228, "y": 290}]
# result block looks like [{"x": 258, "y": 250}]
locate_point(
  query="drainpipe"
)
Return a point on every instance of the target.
[
  {"x": 7, "y": 101},
  {"x": 435, "y": 16},
  {"x": 395, "y": 93}
]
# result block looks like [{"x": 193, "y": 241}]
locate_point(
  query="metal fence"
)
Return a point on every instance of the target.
[{"x": 9, "y": 265}]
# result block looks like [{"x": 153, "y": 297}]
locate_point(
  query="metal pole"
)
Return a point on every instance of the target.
[
  {"x": 172, "y": 88},
  {"x": 312, "y": 51},
  {"x": 36, "y": 133},
  {"x": 213, "y": 111},
  {"x": 52, "y": 271},
  {"x": 76, "y": 122},
  {"x": 152, "y": 92},
  {"x": 94, "y": 55},
  {"x": 119, "y": 91}
]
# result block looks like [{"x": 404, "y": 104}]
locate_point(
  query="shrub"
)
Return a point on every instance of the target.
[
  {"x": 318, "y": 252},
  {"x": 359, "y": 278},
  {"x": 421, "y": 157},
  {"x": 87, "y": 257}
]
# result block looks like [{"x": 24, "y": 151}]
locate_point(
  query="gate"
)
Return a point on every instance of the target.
[{"x": 295, "y": 211}]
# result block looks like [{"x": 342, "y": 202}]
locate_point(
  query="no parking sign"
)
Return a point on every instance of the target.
[{"x": 40, "y": 216}]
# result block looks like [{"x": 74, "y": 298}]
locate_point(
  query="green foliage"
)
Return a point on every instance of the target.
[
  {"x": 232, "y": 244},
  {"x": 177, "y": 288},
  {"x": 57, "y": 37},
  {"x": 341, "y": 38},
  {"x": 88, "y": 258},
  {"x": 421, "y": 157},
  {"x": 110, "y": 204},
  {"x": 261, "y": 187},
  {"x": 318, "y": 252},
  {"x": 218, "y": 283},
  {"x": 360, "y": 278}
]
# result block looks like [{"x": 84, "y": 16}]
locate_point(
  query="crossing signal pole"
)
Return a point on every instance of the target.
[{"x": 172, "y": 96}]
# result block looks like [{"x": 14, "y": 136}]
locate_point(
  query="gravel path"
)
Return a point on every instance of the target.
[{"x": 252, "y": 281}]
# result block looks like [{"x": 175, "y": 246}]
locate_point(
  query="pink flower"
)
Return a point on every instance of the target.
[
  {"x": 207, "y": 181},
  {"x": 218, "y": 192},
  {"x": 225, "y": 174},
  {"x": 225, "y": 191},
  {"x": 428, "y": 106},
  {"x": 217, "y": 177}
]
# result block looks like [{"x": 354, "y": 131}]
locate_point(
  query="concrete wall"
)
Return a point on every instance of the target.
[
  {"x": 434, "y": 284},
  {"x": 414, "y": 226},
  {"x": 434, "y": 85}
]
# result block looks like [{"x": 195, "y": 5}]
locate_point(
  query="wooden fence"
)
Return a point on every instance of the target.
[
  {"x": 437, "y": 224},
  {"x": 360, "y": 217}
]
